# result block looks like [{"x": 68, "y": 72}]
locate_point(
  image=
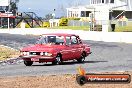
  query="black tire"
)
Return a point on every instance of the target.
[
  {"x": 58, "y": 60},
  {"x": 28, "y": 63},
  {"x": 82, "y": 58},
  {"x": 81, "y": 80}
]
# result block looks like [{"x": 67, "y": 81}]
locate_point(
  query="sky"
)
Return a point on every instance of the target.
[{"x": 44, "y": 7}]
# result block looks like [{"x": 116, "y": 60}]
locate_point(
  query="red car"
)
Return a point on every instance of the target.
[{"x": 55, "y": 48}]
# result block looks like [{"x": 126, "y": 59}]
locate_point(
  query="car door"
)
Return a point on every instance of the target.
[
  {"x": 67, "y": 51},
  {"x": 77, "y": 46}
]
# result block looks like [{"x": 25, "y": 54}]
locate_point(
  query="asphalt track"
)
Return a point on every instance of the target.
[{"x": 105, "y": 57}]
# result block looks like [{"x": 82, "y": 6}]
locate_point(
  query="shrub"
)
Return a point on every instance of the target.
[
  {"x": 63, "y": 22},
  {"x": 46, "y": 24},
  {"x": 74, "y": 18},
  {"x": 27, "y": 26}
]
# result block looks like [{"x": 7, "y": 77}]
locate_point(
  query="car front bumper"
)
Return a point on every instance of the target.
[{"x": 36, "y": 58}]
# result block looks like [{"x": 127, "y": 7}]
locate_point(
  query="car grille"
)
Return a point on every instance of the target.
[{"x": 34, "y": 53}]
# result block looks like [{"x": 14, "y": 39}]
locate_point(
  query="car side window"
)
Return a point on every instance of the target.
[
  {"x": 60, "y": 40},
  {"x": 74, "y": 40},
  {"x": 68, "y": 40}
]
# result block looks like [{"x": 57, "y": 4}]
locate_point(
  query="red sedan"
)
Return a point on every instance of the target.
[{"x": 55, "y": 48}]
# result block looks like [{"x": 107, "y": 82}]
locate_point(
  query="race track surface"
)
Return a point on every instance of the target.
[{"x": 105, "y": 57}]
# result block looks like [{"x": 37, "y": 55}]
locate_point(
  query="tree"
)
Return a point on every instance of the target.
[
  {"x": 13, "y": 6},
  {"x": 48, "y": 16},
  {"x": 16, "y": 1}
]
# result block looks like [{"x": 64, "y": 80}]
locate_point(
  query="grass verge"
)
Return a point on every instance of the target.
[
  {"x": 124, "y": 29},
  {"x": 85, "y": 28},
  {"x": 6, "y": 52}
]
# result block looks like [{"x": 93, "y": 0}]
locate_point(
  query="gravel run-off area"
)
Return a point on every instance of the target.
[{"x": 54, "y": 81}]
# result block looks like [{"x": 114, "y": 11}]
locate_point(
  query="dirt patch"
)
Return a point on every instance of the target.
[{"x": 53, "y": 81}]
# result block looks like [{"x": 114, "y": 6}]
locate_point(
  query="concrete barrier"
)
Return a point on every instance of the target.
[{"x": 125, "y": 37}]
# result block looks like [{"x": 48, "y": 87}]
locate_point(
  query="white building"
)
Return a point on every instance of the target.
[{"x": 103, "y": 10}]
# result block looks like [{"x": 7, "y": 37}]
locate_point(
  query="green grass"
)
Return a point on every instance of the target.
[
  {"x": 6, "y": 53},
  {"x": 85, "y": 28},
  {"x": 124, "y": 28}
]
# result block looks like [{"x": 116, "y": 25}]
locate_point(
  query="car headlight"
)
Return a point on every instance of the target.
[
  {"x": 47, "y": 54},
  {"x": 42, "y": 53},
  {"x": 24, "y": 53}
]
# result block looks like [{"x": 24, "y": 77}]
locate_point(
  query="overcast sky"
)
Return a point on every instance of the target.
[{"x": 43, "y": 7}]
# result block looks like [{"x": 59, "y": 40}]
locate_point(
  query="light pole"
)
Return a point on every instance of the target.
[
  {"x": 8, "y": 25},
  {"x": 53, "y": 14}
]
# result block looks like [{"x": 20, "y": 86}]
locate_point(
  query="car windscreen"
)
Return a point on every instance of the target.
[{"x": 51, "y": 39}]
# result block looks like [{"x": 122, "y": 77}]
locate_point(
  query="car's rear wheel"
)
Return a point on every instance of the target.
[
  {"x": 82, "y": 58},
  {"x": 58, "y": 60},
  {"x": 28, "y": 63}
]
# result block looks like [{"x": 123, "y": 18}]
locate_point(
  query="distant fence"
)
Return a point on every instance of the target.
[
  {"x": 77, "y": 23},
  {"x": 99, "y": 22},
  {"x": 119, "y": 23}
]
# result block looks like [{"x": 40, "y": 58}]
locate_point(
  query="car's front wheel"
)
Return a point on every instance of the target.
[
  {"x": 28, "y": 63},
  {"x": 82, "y": 58},
  {"x": 58, "y": 60}
]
